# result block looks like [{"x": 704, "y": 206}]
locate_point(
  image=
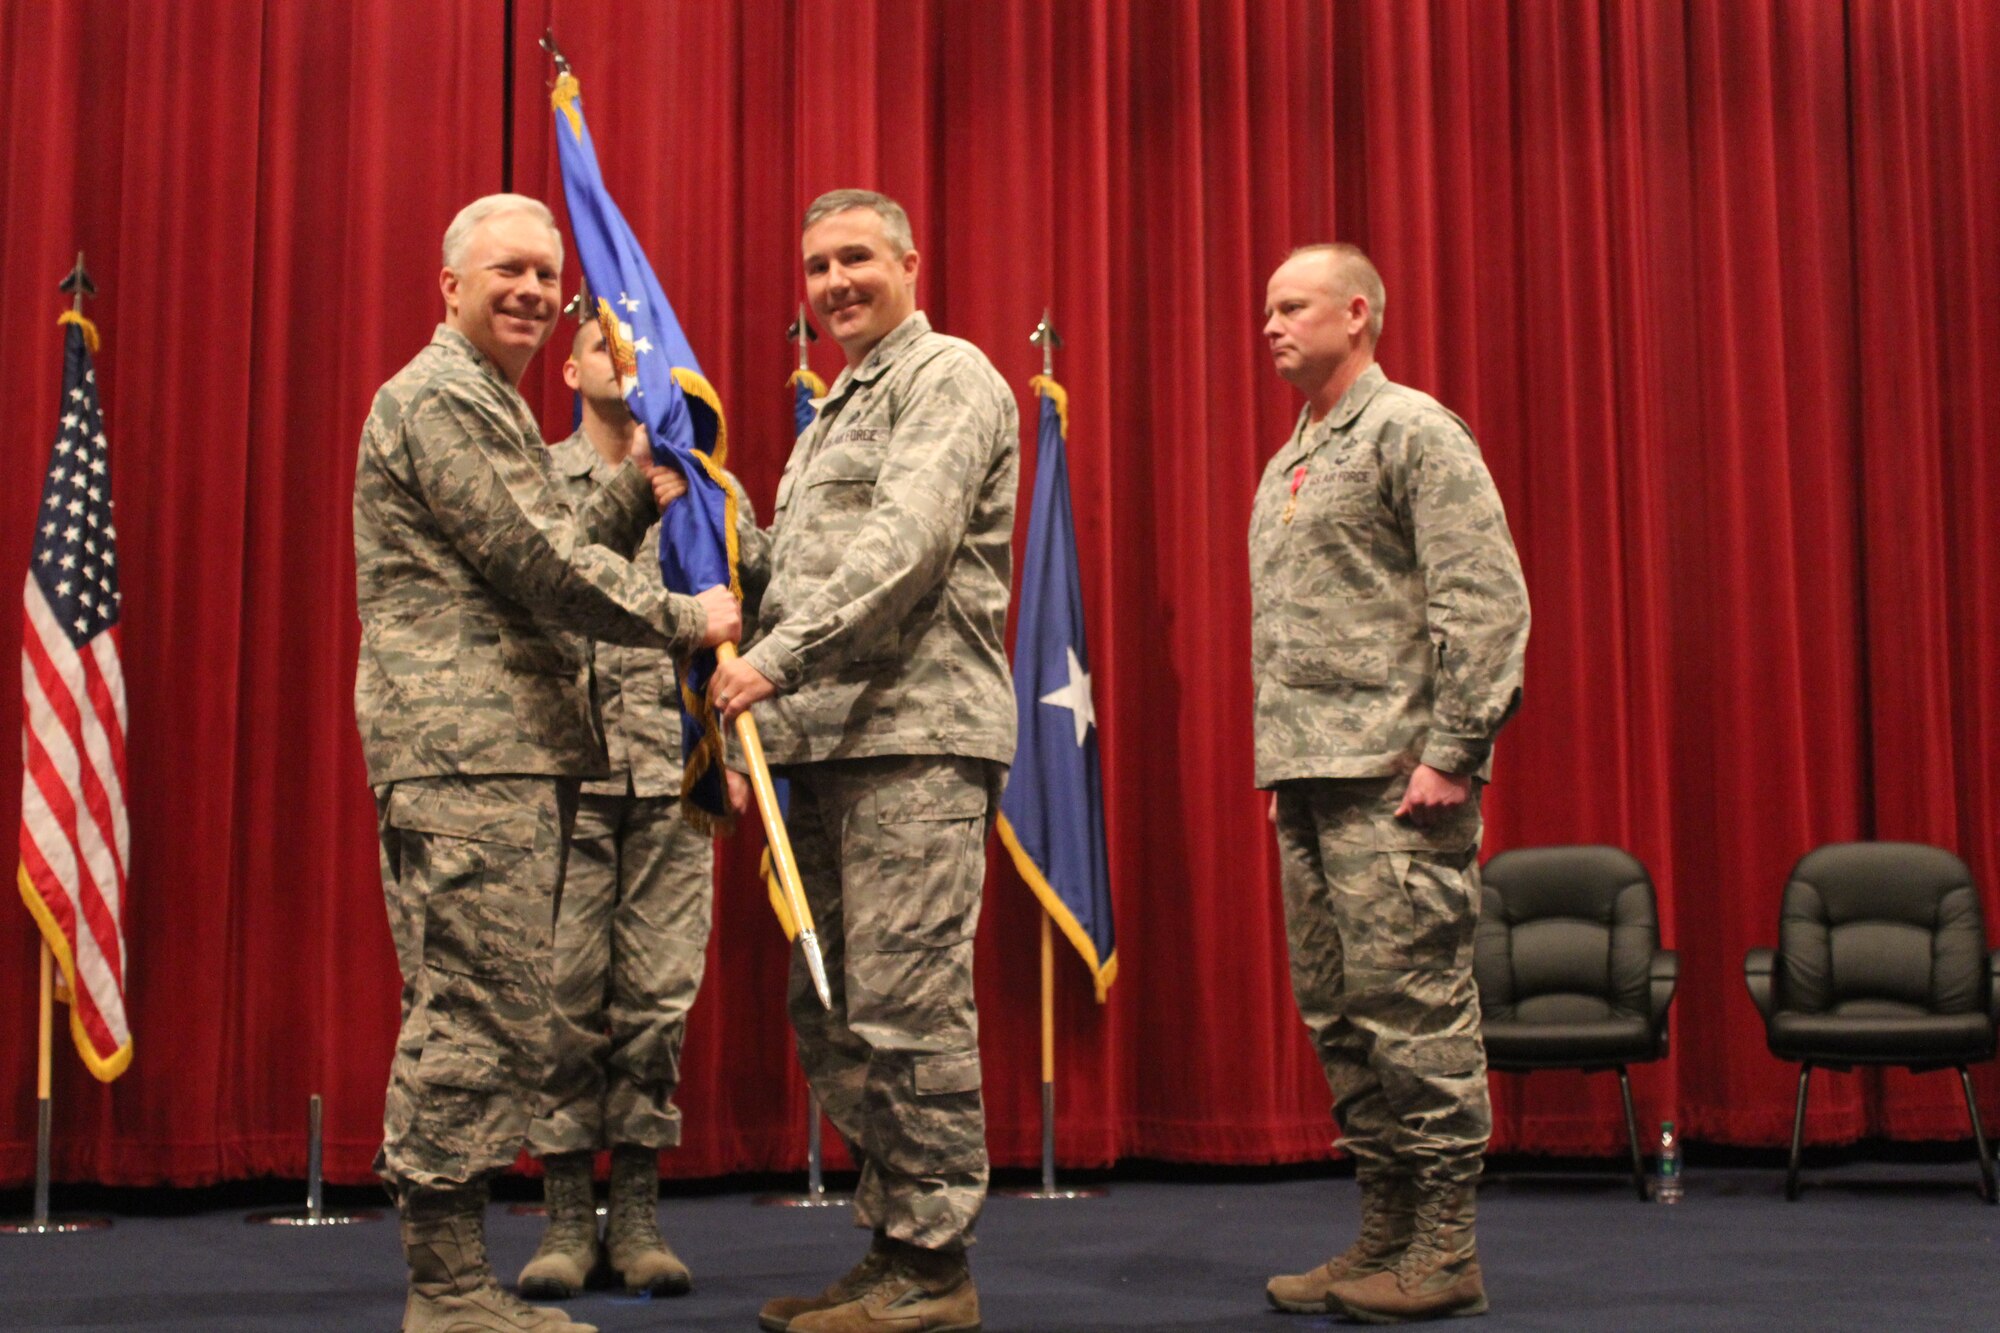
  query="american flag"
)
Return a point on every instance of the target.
[{"x": 74, "y": 838}]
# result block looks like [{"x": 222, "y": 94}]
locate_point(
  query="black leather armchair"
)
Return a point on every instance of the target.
[
  {"x": 1881, "y": 960},
  {"x": 1570, "y": 972}
]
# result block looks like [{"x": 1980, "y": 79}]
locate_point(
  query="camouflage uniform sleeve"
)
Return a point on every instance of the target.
[
  {"x": 618, "y": 513},
  {"x": 483, "y": 490},
  {"x": 1476, "y": 601},
  {"x": 929, "y": 484},
  {"x": 753, "y": 554}
]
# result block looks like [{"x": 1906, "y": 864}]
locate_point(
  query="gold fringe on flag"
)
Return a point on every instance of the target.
[{"x": 90, "y": 338}]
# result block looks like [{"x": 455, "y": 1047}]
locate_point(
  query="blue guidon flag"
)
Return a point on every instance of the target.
[
  {"x": 664, "y": 387},
  {"x": 1052, "y": 815},
  {"x": 807, "y": 388}
]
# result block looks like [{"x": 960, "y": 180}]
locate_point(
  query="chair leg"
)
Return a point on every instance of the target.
[
  {"x": 1987, "y": 1191},
  {"x": 1632, "y": 1134},
  {"x": 1798, "y": 1135}
]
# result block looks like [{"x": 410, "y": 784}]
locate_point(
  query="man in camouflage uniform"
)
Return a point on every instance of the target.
[
  {"x": 1388, "y": 623},
  {"x": 632, "y": 938},
  {"x": 475, "y": 583},
  {"x": 885, "y": 695}
]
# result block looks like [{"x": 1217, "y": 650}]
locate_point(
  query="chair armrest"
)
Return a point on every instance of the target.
[
  {"x": 1993, "y": 986},
  {"x": 1758, "y": 965},
  {"x": 1663, "y": 979}
]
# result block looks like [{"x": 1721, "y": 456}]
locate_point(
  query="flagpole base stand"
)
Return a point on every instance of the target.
[
  {"x": 315, "y": 1213},
  {"x": 822, "y": 1199},
  {"x": 54, "y": 1226},
  {"x": 304, "y": 1217},
  {"x": 1081, "y": 1192}
]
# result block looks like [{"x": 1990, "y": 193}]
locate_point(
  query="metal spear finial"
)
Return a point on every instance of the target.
[
  {"x": 1046, "y": 338},
  {"x": 555, "y": 52},
  {"x": 78, "y": 284},
  {"x": 804, "y": 334}
]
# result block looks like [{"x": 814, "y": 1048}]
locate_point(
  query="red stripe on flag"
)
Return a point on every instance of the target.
[
  {"x": 48, "y": 887},
  {"x": 105, "y": 717},
  {"x": 83, "y": 1000},
  {"x": 86, "y": 894},
  {"x": 60, "y": 688},
  {"x": 61, "y": 706}
]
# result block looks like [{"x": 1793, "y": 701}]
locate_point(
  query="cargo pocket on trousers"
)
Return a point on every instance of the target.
[
  {"x": 481, "y": 1038},
  {"x": 931, "y": 860},
  {"x": 1445, "y": 1057},
  {"x": 471, "y": 860},
  {"x": 1413, "y": 915},
  {"x": 1444, "y": 914},
  {"x": 451, "y": 1063},
  {"x": 942, "y": 1130}
]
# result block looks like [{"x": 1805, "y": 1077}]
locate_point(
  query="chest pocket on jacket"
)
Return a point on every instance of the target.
[
  {"x": 839, "y": 493},
  {"x": 1341, "y": 488}
]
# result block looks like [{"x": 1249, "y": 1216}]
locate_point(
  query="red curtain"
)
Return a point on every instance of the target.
[{"x": 1712, "y": 281}]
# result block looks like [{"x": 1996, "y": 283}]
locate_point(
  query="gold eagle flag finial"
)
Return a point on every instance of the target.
[
  {"x": 567, "y": 89},
  {"x": 78, "y": 285}
]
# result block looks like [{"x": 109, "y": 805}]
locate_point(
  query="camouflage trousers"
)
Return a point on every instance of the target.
[
  {"x": 1379, "y": 917},
  {"x": 892, "y": 853},
  {"x": 472, "y": 870},
  {"x": 631, "y": 944}
]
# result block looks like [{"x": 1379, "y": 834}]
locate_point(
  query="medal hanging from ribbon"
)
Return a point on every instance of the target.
[{"x": 1292, "y": 504}]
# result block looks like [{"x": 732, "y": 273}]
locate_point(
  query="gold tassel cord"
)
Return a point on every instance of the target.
[
  {"x": 1046, "y": 385},
  {"x": 564, "y": 99},
  {"x": 90, "y": 338}
]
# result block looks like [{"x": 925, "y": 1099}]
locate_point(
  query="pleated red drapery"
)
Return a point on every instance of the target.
[{"x": 1711, "y": 281}]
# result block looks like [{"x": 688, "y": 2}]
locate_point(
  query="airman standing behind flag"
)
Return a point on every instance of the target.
[
  {"x": 1388, "y": 625},
  {"x": 882, "y": 688},
  {"x": 475, "y": 584},
  {"x": 632, "y": 939}
]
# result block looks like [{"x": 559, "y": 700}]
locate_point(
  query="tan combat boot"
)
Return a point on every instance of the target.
[
  {"x": 562, "y": 1263},
  {"x": 452, "y": 1290},
  {"x": 777, "y": 1314},
  {"x": 1385, "y": 1229},
  {"x": 918, "y": 1291},
  {"x": 1436, "y": 1277},
  {"x": 632, "y": 1232}
]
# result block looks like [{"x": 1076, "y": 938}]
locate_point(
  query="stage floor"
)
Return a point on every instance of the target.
[{"x": 1869, "y": 1246}]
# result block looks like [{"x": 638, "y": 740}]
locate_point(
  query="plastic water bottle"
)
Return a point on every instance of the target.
[{"x": 1667, "y": 1183}]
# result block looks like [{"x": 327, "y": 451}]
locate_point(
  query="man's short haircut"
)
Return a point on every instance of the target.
[
  {"x": 488, "y": 206},
  {"x": 583, "y": 327},
  {"x": 1353, "y": 274},
  {"x": 895, "y": 222}
]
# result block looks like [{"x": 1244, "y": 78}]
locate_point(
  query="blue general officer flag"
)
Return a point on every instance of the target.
[
  {"x": 1052, "y": 815},
  {"x": 682, "y": 415}
]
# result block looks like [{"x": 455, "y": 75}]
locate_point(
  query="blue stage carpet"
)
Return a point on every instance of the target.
[{"x": 1881, "y": 1246}]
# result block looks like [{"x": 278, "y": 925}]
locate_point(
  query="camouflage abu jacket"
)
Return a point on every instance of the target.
[
  {"x": 636, "y": 691},
  {"x": 476, "y": 584},
  {"x": 890, "y": 562},
  {"x": 1389, "y": 618}
]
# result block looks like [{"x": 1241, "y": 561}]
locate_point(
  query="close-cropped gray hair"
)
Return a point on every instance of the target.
[
  {"x": 1353, "y": 275},
  {"x": 895, "y": 222},
  {"x": 492, "y": 205}
]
